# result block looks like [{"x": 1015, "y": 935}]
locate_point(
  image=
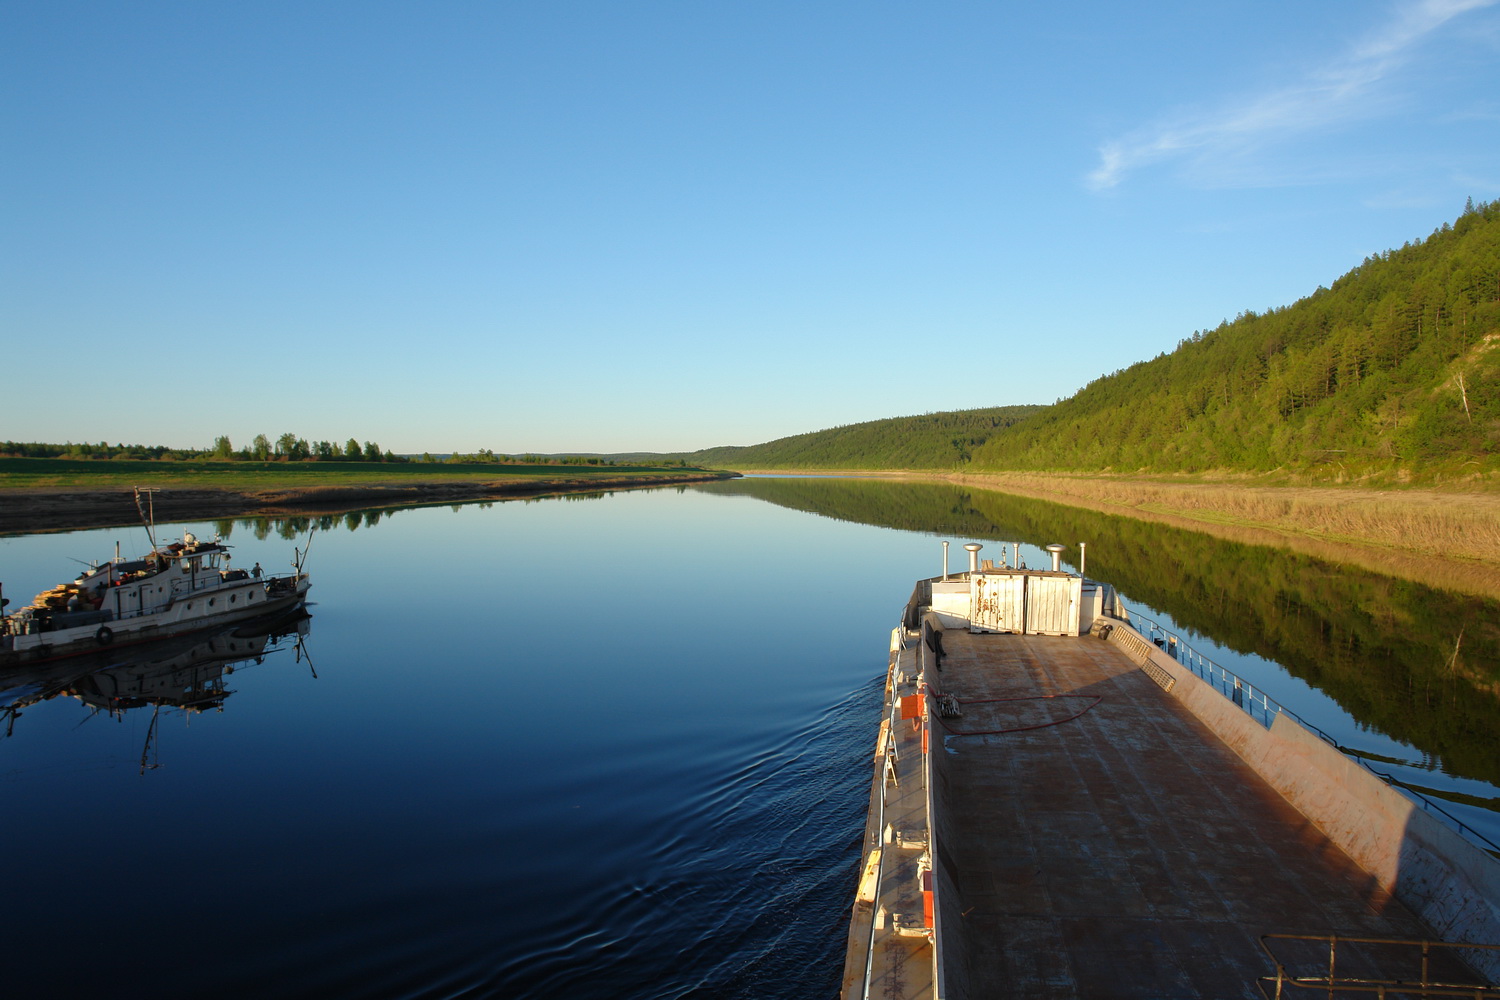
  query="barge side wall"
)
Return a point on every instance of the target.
[{"x": 1450, "y": 883}]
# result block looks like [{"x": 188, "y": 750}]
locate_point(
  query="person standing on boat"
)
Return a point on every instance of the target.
[{"x": 256, "y": 571}]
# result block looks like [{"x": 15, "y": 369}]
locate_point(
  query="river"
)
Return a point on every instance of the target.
[{"x": 604, "y": 746}]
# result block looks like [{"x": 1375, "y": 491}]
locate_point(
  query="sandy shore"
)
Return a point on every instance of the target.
[{"x": 33, "y": 510}]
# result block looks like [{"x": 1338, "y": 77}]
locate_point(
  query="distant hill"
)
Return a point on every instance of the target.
[
  {"x": 929, "y": 441},
  {"x": 1392, "y": 372}
]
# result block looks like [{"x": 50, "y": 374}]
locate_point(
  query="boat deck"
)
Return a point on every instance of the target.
[{"x": 1124, "y": 852}]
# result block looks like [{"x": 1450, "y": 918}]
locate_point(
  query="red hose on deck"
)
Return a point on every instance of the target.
[{"x": 1093, "y": 700}]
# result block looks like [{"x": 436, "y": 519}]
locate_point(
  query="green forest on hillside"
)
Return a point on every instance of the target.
[
  {"x": 928, "y": 441},
  {"x": 1394, "y": 371},
  {"x": 1396, "y": 365}
]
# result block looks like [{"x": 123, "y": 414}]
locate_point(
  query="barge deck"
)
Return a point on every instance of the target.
[{"x": 1080, "y": 831}]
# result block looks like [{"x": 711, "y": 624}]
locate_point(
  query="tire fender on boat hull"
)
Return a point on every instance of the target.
[{"x": 104, "y": 636}]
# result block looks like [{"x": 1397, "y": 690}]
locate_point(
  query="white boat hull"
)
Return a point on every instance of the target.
[{"x": 191, "y": 612}]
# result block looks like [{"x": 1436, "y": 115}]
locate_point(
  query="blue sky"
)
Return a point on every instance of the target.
[{"x": 596, "y": 226}]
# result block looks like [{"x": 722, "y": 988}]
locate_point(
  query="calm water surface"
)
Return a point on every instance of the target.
[{"x": 607, "y": 747}]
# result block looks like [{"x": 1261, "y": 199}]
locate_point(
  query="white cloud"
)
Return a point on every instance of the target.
[{"x": 1340, "y": 91}]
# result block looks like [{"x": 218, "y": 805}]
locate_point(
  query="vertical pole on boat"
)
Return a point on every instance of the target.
[
  {"x": 302, "y": 556},
  {"x": 945, "y": 562},
  {"x": 148, "y": 519},
  {"x": 1015, "y": 554},
  {"x": 1082, "y": 556}
]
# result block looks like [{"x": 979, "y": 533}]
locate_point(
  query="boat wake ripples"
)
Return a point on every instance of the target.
[{"x": 746, "y": 898}]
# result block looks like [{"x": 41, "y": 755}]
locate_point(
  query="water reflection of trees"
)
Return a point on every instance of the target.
[
  {"x": 294, "y": 526},
  {"x": 1419, "y": 664}
]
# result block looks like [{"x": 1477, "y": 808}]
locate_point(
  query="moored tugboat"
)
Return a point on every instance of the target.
[{"x": 177, "y": 588}]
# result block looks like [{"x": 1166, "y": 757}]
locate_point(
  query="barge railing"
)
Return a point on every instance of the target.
[
  {"x": 1260, "y": 707},
  {"x": 884, "y": 764},
  {"x": 1256, "y": 703}
]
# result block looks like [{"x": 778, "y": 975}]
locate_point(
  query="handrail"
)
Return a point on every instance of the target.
[
  {"x": 1244, "y": 694},
  {"x": 1224, "y": 680},
  {"x": 892, "y": 677},
  {"x": 1328, "y": 981},
  {"x": 1428, "y": 805}
]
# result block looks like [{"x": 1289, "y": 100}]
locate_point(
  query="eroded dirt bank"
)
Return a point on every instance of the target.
[{"x": 67, "y": 510}]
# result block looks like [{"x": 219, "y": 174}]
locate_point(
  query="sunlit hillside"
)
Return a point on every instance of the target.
[
  {"x": 929, "y": 441},
  {"x": 1393, "y": 372},
  {"x": 1396, "y": 368}
]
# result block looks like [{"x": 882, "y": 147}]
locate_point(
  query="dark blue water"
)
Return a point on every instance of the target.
[{"x": 613, "y": 747}]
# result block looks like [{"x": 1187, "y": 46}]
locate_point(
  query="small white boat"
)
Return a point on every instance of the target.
[{"x": 182, "y": 587}]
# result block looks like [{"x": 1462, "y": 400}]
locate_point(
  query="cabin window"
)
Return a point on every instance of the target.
[
  {"x": 190, "y": 605},
  {"x": 231, "y": 598},
  {"x": 210, "y": 602}
]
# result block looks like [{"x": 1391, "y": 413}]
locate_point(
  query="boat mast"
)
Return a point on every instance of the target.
[
  {"x": 148, "y": 519},
  {"x": 300, "y": 558}
]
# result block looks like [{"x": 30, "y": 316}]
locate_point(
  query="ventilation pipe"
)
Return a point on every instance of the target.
[
  {"x": 945, "y": 562},
  {"x": 1082, "y": 557},
  {"x": 1057, "y": 551},
  {"x": 973, "y": 550}
]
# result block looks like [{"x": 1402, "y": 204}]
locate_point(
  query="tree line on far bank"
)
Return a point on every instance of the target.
[{"x": 286, "y": 448}]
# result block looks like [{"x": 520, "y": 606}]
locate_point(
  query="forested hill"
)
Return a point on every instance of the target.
[
  {"x": 929, "y": 441},
  {"x": 1395, "y": 370}
]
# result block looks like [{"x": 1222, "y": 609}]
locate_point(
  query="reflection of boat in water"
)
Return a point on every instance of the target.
[
  {"x": 1061, "y": 807},
  {"x": 186, "y": 586},
  {"x": 187, "y": 673}
]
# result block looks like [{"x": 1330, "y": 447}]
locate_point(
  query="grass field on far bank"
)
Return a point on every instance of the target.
[{"x": 84, "y": 474}]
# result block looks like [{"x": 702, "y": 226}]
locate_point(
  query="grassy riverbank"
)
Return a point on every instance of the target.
[
  {"x": 73, "y": 474},
  {"x": 63, "y": 494},
  {"x": 1448, "y": 539}
]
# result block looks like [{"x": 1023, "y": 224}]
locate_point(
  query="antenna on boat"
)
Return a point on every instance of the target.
[{"x": 148, "y": 512}]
